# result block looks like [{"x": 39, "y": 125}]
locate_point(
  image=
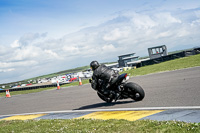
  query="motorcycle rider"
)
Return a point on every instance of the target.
[{"x": 107, "y": 75}]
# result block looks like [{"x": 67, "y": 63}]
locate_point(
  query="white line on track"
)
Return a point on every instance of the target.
[{"x": 118, "y": 109}]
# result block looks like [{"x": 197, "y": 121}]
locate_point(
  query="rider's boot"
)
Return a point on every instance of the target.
[{"x": 116, "y": 96}]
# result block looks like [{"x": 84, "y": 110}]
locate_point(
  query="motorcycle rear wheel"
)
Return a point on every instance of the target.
[
  {"x": 135, "y": 91},
  {"x": 106, "y": 99}
]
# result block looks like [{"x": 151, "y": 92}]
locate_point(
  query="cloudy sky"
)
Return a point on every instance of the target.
[{"x": 40, "y": 37}]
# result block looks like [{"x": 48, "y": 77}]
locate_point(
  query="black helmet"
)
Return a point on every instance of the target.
[{"x": 94, "y": 65}]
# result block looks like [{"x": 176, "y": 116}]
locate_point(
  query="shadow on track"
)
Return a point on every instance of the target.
[{"x": 97, "y": 105}]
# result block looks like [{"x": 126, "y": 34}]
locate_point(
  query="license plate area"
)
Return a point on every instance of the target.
[{"x": 127, "y": 78}]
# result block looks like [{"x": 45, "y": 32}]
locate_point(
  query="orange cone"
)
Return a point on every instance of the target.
[
  {"x": 58, "y": 86},
  {"x": 80, "y": 82},
  {"x": 8, "y": 93}
]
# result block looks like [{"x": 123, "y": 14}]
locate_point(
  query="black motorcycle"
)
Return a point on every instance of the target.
[{"x": 122, "y": 88}]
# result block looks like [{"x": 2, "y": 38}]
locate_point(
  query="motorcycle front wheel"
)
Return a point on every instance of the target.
[
  {"x": 134, "y": 91},
  {"x": 104, "y": 98}
]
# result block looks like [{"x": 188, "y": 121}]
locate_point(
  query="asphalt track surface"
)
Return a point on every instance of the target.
[{"x": 166, "y": 89}]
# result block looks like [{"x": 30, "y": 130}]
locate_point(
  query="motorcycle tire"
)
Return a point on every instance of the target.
[
  {"x": 108, "y": 100},
  {"x": 135, "y": 91}
]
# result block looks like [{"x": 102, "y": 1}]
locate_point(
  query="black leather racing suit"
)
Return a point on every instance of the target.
[{"x": 106, "y": 74}]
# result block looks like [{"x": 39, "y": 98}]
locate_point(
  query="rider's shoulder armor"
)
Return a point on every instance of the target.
[{"x": 103, "y": 72}]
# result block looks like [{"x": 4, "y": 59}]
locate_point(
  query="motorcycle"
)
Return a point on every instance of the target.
[{"x": 123, "y": 88}]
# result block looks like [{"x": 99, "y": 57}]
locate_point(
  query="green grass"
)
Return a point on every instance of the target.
[
  {"x": 180, "y": 63},
  {"x": 97, "y": 126},
  {"x": 186, "y": 62}
]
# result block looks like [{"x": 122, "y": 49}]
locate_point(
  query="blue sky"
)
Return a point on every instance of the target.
[{"x": 41, "y": 37}]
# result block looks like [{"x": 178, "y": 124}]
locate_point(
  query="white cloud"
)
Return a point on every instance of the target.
[
  {"x": 32, "y": 37},
  {"x": 15, "y": 44},
  {"x": 196, "y": 22},
  {"x": 165, "y": 18},
  {"x": 7, "y": 70},
  {"x": 27, "y": 63},
  {"x": 108, "y": 48},
  {"x": 3, "y": 50},
  {"x": 69, "y": 49},
  {"x": 164, "y": 34},
  {"x": 116, "y": 34},
  {"x": 52, "y": 54},
  {"x": 25, "y": 53},
  {"x": 143, "y": 22}
]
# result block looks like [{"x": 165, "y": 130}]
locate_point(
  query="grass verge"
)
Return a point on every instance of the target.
[
  {"x": 95, "y": 126},
  {"x": 181, "y": 63}
]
